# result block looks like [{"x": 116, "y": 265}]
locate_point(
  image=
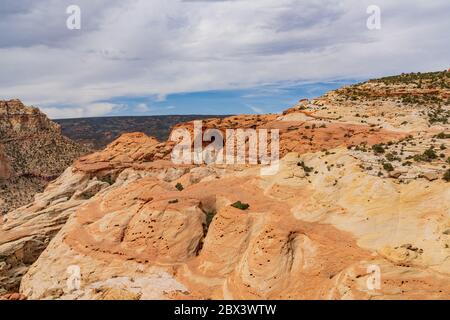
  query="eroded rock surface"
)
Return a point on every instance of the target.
[
  {"x": 359, "y": 194},
  {"x": 32, "y": 153}
]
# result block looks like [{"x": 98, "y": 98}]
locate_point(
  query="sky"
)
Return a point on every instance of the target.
[{"x": 149, "y": 57}]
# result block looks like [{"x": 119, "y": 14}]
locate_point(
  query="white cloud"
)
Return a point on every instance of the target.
[
  {"x": 63, "y": 113},
  {"x": 91, "y": 110},
  {"x": 256, "y": 109},
  {"x": 142, "y": 108},
  {"x": 158, "y": 47}
]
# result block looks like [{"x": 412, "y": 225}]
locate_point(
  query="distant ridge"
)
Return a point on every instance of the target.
[{"x": 96, "y": 133}]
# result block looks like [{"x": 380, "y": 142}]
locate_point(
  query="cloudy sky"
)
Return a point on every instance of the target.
[{"x": 144, "y": 57}]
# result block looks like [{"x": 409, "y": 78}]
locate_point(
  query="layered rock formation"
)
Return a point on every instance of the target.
[
  {"x": 32, "y": 153},
  {"x": 359, "y": 209}
]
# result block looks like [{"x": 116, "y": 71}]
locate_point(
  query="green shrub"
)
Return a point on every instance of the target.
[
  {"x": 420, "y": 158},
  {"x": 427, "y": 156},
  {"x": 305, "y": 167},
  {"x": 430, "y": 154},
  {"x": 442, "y": 135},
  {"x": 209, "y": 217},
  {"x": 179, "y": 186},
  {"x": 439, "y": 115},
  {"x": 388, "y": 167},
  {"x": 378, "y": 148},
  {"x": 108, "y": 179},
  {"x": 240, "y": 205},
  {"x": 447, "y": 175},
  {"x": 391, "y": 157}
]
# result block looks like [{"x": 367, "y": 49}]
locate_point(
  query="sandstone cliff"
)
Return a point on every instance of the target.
[
  {"x": 32, "y": 153},
  {"x": 362, "y": 187}
]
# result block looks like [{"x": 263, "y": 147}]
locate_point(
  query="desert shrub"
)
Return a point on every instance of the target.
[
  {"x": 446, "y": 176},
  {"x": 209, "y": 217},
  {"x": 305, "y": 167},
  {"x": 427, "y": 156},
  {"x": 439, "y": 115},
  {"x": 240, "y": 205},
  {"x": 360, "y": 148},
  {"x": 179, "y": 186},
  {"x": 388, "y": 167},
  {"x": 442, "y": 135},
  {"x": 392, "y": 157},
  {"x": 109, "y": 179},
  {"x": 430, "y": 154},
  {"x": 378, "y": 148},
  {"x": 420, "y": 158}
]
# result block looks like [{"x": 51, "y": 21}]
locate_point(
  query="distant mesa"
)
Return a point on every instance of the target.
[{"x": 97, "y": 133}]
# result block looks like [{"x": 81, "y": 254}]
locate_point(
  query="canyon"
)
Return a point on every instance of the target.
[{"x": 362, "y": 185}]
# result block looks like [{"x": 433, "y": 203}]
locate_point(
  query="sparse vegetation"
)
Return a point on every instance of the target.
[
  {"x": 426, "y": 80},
  {"x": 388, "y": 167},
  {"x": 209, "y": 218},
  {"x": 427, "y": 87},
  {"x": 240, "y": 205},
  {"x": 391, "y": 157},
  {"x": 378, "y": 149},
  {"x": 179, "y": 187},
  {"x": 442, "y": 135},
  {"x": 439, "y": 115},
  {"x": 430, "y": 154},
  {"x": 447, "y": 175},
  {"x": 427, "y": 156},
  {"x": 107, "y": 178},
  {"x": 305, "y": 167}
]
